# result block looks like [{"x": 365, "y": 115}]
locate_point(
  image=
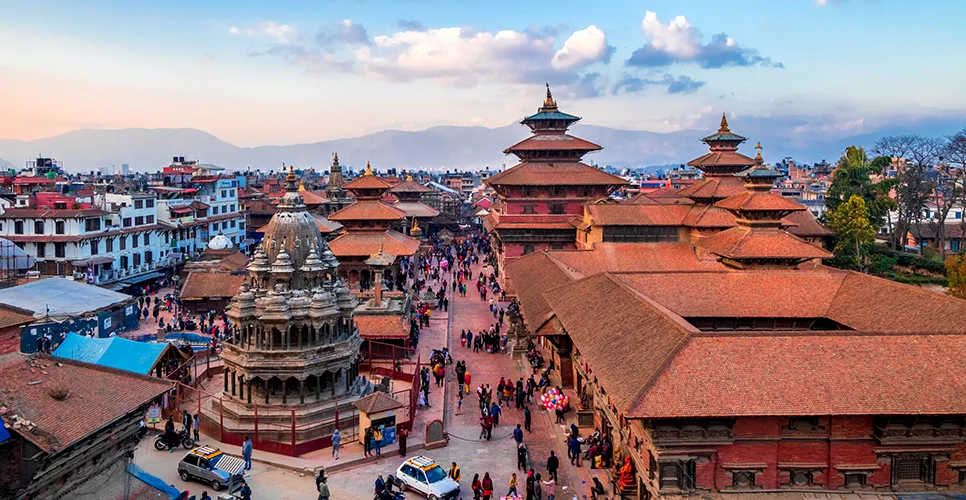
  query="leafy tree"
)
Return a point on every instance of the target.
[
  {"x": 956, "y": 274},
  {"x": 851, "y": 221},
  {"x": 851, "y": 177}
]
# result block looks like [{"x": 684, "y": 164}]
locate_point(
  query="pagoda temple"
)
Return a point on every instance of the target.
[
  {"x": 293, "y": 341},
  {"x": 538, "y": 197},
  {"x": 367, "y": 231},
  {"x": 336, "y": 196},
  {"x": 410, "y": 193}
]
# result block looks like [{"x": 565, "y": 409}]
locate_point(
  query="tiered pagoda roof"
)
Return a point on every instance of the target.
[{"x": 719, "y": 167}]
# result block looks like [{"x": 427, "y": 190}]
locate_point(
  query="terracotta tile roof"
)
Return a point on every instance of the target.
[
  {"x": 741, "y": 294},
  {"x": 416, "y": 209},
  {"x": 717, "y": 187},
  {"x": 641, "y": 199},
  {"x": 96, "y": 397},
  {"x": 14, "y": 316},
  {"x": 709, "y": 217},
  {"x": 876, "y": 304},
  {"x": 367, "y": 182},
  {"x": 364, "y": 244},
  {"x": 554, "y": 174},
  {"x": 409, "y": 187},
  {"x": 326, "y": 226},
  {"x": 44, "y": 213},
  {"x": 657, "y": 194},
  {"x": 604, "y": 318},
  {"x": 205, "y": 285},
  {"x": 260, "y": 207},
  {"x": 634, "y": 258},
  {"x": 310, "y": 198},
  {"x": 382, "y": 326},
  {"x": 542, "y": 142},
  {"x": 804, "y": 225},
  {"x": 753, "y": 201},
  {"x": 928, "y": 231},
  {"x": 533, "y": 225},
  {"x": 367, "y": 210},
  {"x": 236, "y": 261},
  {"x": 741, "y": 242},
  {"x": 377, "y": 402},
  {"x": 532, "y": 275},
  {"x": 197, "y": 205},
  {"x": 810, "y": 375},
  {"x": 721, "y": 159},
  {"x": 637, "y": 215}
]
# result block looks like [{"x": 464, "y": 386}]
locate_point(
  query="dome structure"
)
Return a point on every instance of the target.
[
  {"x": 220, "y": 242},
  {"x": 292, "y": 230}
]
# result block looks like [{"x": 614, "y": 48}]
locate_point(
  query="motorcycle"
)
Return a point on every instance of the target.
[
  {"x": 388, "y": 494},
  {"x": 186, "y": 441}
]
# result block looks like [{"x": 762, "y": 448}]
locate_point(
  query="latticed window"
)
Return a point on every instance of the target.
[
  {"x": 743, "y": 479},
  {"x": 912, "y": 469},
  {"x": 640, "y": 234}
]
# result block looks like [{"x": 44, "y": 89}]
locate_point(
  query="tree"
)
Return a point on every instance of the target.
[
  {"x": 956, "y": 274},
  {"x": 851, "y": 221},
  {"x": 851, "y": 177},
  {"x": 895, "y": 148},
  {"x": 915, "y": 183}
]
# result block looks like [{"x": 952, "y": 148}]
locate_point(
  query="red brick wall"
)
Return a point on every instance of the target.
[{"x": 10, "y": 339}]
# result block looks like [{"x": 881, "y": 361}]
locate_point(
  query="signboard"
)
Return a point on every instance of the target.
[{"x": 154, "y": 414}]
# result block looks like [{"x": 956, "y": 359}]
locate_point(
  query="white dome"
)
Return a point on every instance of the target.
[{"x": 220, "y": 242}]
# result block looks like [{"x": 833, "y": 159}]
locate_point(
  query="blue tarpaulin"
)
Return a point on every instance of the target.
[
  {"x": 153, "y": 481},
  {"x": 114, "y": 352},
  {"x": 4, "y": 434}
]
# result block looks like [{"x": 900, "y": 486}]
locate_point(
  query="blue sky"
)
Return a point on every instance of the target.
[{"x": 286, "y": 72}]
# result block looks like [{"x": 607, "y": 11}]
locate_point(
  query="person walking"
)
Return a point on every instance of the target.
[
  {"x": 521, "y": 457},
  {"x": 526, "y": 418},
  {"x": 512, "y": 492},
  {"x": 552, "y": 464},
  {"x": 487, "y": 486},
  {"x": 247, "y": 453},
  {"x": 495, "y": 412},
  {"x": 529, "y": 485},
  {"x": 537, "y": 488},
  {"x": 574, "y": 445},
  {"x": 336, "y": 443},
  {"x": 551, "y": 488},
  {"x": 477, "y": 487},
  {"x": 194, "y": 426},
  {"x": 323, "y": 490},
  {"x": 518, "y": 435}
]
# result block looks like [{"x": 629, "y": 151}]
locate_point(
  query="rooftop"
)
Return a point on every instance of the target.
[{"x": 554, "y": 174}]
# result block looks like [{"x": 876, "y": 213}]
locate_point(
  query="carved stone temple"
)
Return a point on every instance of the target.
[{"x": 293, "y": 341}]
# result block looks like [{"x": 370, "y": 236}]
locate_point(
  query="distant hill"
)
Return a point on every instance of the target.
[
  {"x": 5, "y": 165},
  {"x": 437, "y": 148}
]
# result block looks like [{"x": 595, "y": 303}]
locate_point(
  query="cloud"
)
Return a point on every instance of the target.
[
  {"x": 458, "y": 57},
  {"x": 679, "y": 42},
  {"x": 206, "y": 60},
  {"x": 682, "y": 84},
  {"x": 407, "y": 25},
  {"x": 584, "y": 47},
  {"x": 282, "y": 33}
]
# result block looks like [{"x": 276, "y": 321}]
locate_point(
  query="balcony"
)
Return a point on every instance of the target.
[
  {"x": 674, "y": 433},
  {"x": 920, "y": 433}
]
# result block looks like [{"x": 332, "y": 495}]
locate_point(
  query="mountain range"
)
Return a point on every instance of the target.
[{"x": 437, "y": 148}]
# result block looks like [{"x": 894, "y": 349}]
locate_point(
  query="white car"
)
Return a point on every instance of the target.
[{"x": 425, "y": 476}]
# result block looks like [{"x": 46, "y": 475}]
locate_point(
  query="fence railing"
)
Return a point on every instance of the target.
[{"x": 275, "y": 428}]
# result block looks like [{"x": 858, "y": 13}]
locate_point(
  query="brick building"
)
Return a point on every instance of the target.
[{"x": 710, "y": 346}]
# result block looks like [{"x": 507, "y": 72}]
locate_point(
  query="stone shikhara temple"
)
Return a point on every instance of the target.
[{"x": 293, "y": 340}]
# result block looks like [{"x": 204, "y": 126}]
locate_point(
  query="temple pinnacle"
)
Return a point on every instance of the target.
[
  {"x": 724, "y": 124},
  {"x": 368, "y": 169}
]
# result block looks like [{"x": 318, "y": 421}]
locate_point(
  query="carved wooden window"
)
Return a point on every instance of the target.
[
  {"x": 804, "y": 424},
  {"x": 800, "y": 478},
  {"x": 854, "y": 480},
  {"x": 912, "y": 468},
  {"x": 743, "y": 479},
  {"x": 529, "y": 209},
  {"x": 671, "y": 475}
]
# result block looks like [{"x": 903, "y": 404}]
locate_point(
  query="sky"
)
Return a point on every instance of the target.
[{"x": 287, "y": 72}]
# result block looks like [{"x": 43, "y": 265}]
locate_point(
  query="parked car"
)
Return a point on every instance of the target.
[
  {"x": 423, "y": 475},
  {"x": 212, "y": 466}
]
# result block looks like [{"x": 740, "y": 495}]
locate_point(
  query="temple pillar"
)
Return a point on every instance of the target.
[
  {"x": 241, "y": 387},
  {"x": 378, "y": 290},
  {"x": 285, "y": 391},
  {"x": 248, "y": 382},
  {"x": 334, "y": 383},
  {"x": 266, "y": 391},
  {"x": 226, "y": 381},
  {"x": 318, "y": 388},
  {"x": 234, "y": 374},
  {"x": 347, "y": 379},
  {"x": 301, "y": 391}
]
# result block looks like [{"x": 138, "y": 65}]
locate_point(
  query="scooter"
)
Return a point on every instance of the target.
[{"x": 186, "y": 441}]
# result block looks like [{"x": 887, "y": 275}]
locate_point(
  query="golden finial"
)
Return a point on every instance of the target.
[
  {"x": 335, "y": 158},
  {"x": 409, "y": 177},
  {"x": 301, "y": 185},
  {"x": 291, "y": 173},
  {"x": 758, "y": 159},
  {"x": 368, "y": 169},
  {"x": 548, "y": 102},
  {"x": 724, "y": 125}
]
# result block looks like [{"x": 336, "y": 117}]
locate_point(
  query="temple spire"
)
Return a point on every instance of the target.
[
  {"x": 723, "y": 129},
  {"x": 549, "y": 103},
  {"x": 290, "y": 184},
  {"x": 758, "y": 159},
  {"x": 368, "y": 169},
  {"x": 335, "y": 158}
]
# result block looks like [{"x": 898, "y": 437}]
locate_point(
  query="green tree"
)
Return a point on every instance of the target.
[
  {"x": 851, "y": 221},
  {"x": 956, "y": 274},
  {"x": 852, "y": 177}
]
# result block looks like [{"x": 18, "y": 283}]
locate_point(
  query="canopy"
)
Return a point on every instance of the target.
[
  {"x": 60, "y": 298},
  {"x": 144, "y": 277},
  {"x": 113, "y": 352}
]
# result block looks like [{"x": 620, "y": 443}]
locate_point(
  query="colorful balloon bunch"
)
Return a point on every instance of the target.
[{"x": 553, "y": 399}]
